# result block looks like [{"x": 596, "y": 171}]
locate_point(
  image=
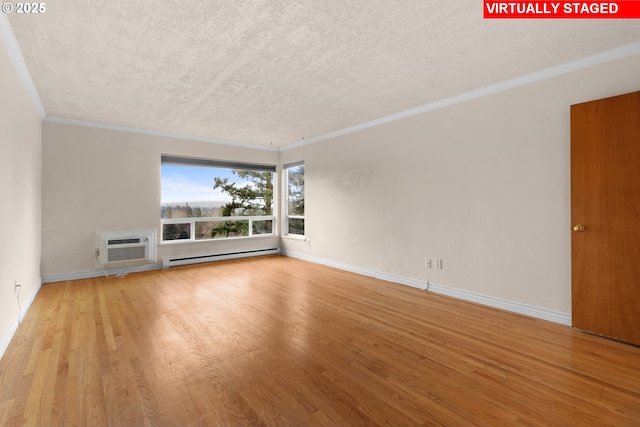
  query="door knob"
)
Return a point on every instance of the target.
[{"x": 579, "y": 228}]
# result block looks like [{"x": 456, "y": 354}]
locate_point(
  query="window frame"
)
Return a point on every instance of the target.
[
  {"x": 191, "y": 221},
  {"x": 286, "y": 216}
]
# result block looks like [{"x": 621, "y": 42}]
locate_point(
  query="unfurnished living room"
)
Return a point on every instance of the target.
[{"x": 330, "y": 213}]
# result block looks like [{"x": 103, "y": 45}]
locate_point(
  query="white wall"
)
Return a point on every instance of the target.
[
  {"x": 484, "y": 185},
  {"x": 105, "y": 180},
  {"x": 20, "y": 192}
]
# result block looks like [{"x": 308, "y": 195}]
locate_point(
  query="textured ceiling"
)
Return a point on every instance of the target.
[{"x": 273, "y": 72}]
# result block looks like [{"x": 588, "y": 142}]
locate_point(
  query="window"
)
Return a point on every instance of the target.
[
  {"x": 294, "y": 215},
  {"x": 207, "y": 199}
]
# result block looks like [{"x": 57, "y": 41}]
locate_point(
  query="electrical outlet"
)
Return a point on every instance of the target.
[
  {"x": 16, "y": 287},
  {"x": 427, "y": 262},
  {"x": 439, "y": 264}
]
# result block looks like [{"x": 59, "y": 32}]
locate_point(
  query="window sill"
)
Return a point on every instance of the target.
[
  {"x": 227, "y": 239},
  {"x": 294, "y": 237}
]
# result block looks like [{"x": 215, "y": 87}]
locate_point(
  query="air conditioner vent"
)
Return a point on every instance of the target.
[
  {"x": 132, "y": 253},
  {"x": 124, "y": 241},
  {"x": 114, "y": 248}
]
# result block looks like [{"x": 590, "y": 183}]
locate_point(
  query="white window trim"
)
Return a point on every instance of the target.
[
  {"x": 286, "y": 216},
  {"x": 192, "y": 161},
  {"x": 192, "y": 227}
]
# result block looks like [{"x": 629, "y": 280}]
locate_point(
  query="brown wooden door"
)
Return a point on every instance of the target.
[{"x": 605, "y": 199}]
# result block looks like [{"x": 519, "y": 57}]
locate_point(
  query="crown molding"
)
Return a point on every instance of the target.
[
  {"x": 10, "y": 42},
  {"x": 586, "y": 62},
  {"x": 13, "y": 49},
  {"x": 97, "y": 125}
]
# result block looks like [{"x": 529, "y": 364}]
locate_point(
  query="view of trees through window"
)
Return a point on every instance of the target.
[
  {"x": 295, "y": 199},
  {"x": 196, "y": 202}
]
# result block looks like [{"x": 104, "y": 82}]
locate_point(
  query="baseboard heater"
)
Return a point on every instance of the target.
[{"x": 174, "y": 262}]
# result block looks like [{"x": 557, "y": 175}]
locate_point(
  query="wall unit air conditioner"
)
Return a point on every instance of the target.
[{"x": 114, "y": 248}]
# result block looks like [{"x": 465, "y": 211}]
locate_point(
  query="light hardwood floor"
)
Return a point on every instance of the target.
[{"x": 279, "y": 341}]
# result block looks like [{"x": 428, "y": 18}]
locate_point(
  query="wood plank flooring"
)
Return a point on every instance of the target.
[{"x": 278, "y": 341}]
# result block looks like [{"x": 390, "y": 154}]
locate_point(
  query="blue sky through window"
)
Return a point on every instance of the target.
[{"x": 193, "y": 184}]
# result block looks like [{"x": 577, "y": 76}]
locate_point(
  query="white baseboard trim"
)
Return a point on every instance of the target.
[
  {"x": 25, "y": 304},
  {"x": 166, "y": 263},
  {"x": 99, "y": 273},
  {"x": 515, "y": 307},
  {"x": 358, "y": 270}
]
